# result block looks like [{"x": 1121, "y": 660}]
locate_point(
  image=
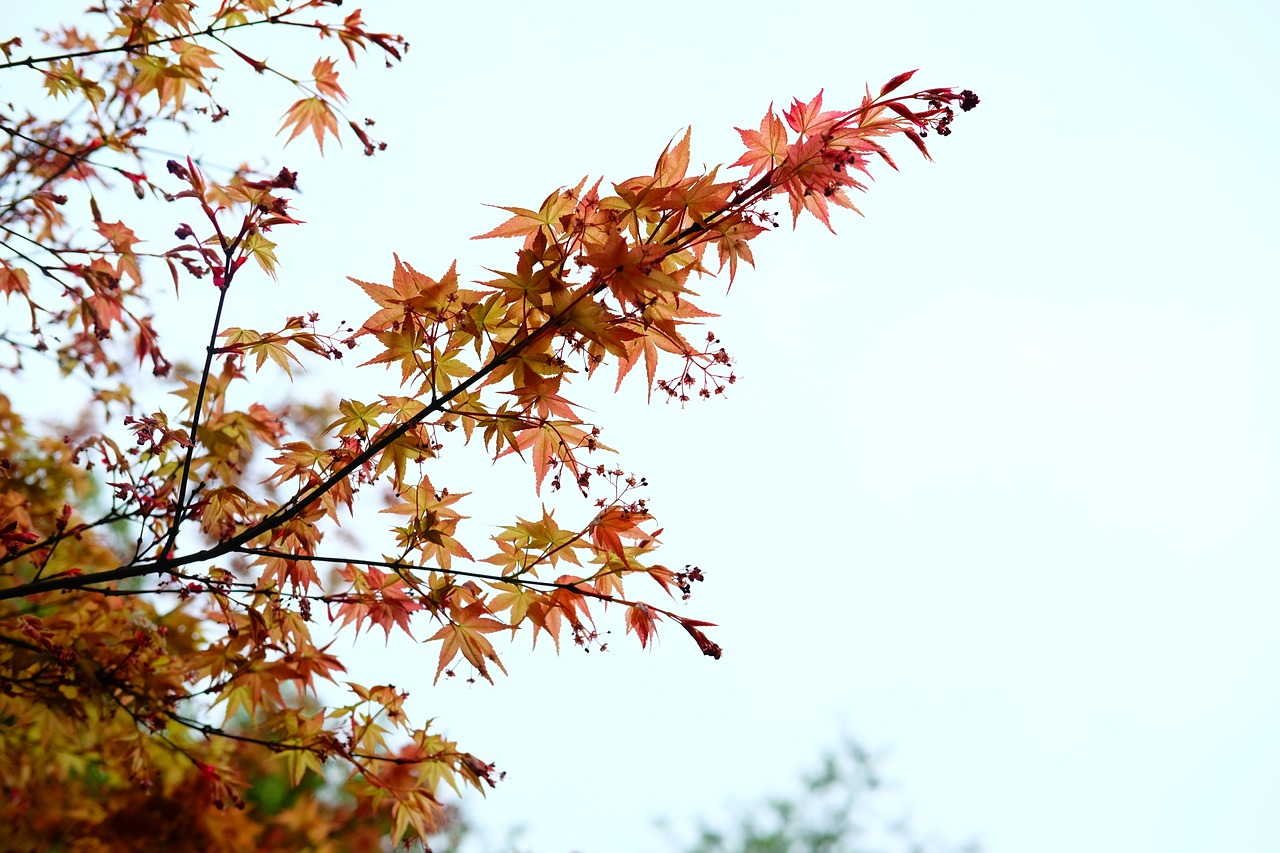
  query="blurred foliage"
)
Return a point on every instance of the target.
[{"x": 843, "y": 807}]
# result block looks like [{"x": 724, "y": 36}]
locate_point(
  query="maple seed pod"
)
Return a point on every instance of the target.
[{"x": 286, "y": 180}]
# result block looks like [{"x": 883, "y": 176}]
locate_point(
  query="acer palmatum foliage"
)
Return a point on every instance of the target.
[{"x": 157, "y": 669}]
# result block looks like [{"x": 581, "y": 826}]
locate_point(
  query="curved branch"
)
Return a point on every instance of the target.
[{"x": 129, "y": 47}]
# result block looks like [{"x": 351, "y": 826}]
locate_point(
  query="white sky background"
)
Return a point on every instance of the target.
[{"x": 996, "y": 490}]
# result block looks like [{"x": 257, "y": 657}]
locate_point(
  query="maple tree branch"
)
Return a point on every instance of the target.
[
  {"x": 44, "y": 270},
  {"x": 73, "y": 159},
  {"x": 180, "y": 508},
  {"x": 111, "y": 517},
  {"x": 53, "y": 250},
  {"x": 399, "y": 568},
  {"x": 281, "y": 746},
  {"x": 132, "y": 46},
  {"x": 768, "y": 182},
  {"x": 148, "y": 723},
  {"x": 395, "y": 565},
  {"x": 48, "y": 146},
  {"x": 209, "y": 730}
]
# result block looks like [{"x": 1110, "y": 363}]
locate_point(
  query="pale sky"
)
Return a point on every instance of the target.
[{"x": 996, "y": 491}]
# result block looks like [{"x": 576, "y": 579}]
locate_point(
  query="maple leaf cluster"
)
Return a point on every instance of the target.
[{"x": 162, "y": 564}]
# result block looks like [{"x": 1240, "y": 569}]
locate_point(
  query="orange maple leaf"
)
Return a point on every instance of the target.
[
  {"x": 642, "y": 619},
  {"x": 314, "y": 113},
  {"x": 378, "y": 597},
  {"x": 465, "y": 633},
  {"x": 614, "y": 523},
  {"x": 326, "y": 79},
  {"x": 809, "y": 119},
  {"x": 556, "y": 208},
  {"x": 732, "y": 244},
  {"x": 410, "y": 293},
  {"x": 551, "y": 440},
  {"x": 673, "y": 162},
  {"x": 766, "y": 147}
]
